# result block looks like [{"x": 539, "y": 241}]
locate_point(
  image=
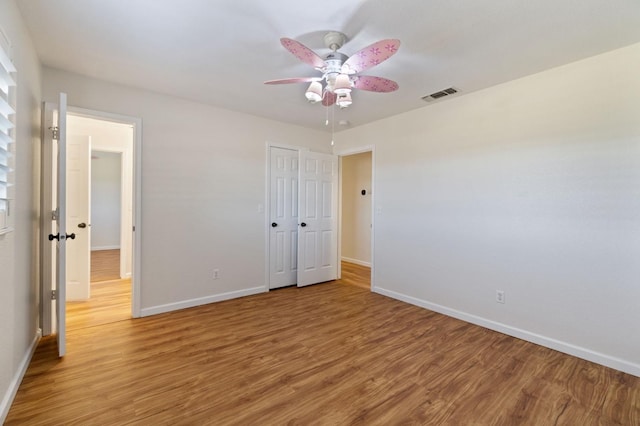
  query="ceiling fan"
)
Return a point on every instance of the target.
[{"x": 340, "y": 73}]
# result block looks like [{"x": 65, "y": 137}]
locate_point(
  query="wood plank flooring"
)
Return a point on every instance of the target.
[
  {"x": 105, "y": 265},
  {"x": 331, "y": 354},
  {"x": 357, "y": 275},
  {"x": 110, "y": 302},
  {"x": 110, "y": 299}
]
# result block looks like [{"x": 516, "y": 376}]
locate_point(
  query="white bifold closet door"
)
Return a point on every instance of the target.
[{"x": 303, "y": 222}]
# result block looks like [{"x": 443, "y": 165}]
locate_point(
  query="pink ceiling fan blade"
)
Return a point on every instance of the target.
[
  {"x": 371, "y": 55},
  {"x": 302, "y": 52},
  {"x": 329, "y": 98},
  {"x": 375, "y": 84},
  {"x": 294, "y": 80}
]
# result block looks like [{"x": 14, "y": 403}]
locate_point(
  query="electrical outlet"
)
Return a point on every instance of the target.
[
  {"x": 499, "y": 296},
  {"x": 216, "y": 274}
]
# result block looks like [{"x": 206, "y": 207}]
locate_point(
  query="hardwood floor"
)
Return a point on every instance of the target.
[
  {"x": 110, "y": 301},
  {"x": 331, "y": 354},
  {"x": 105, "y": 265},
  {"x": 110, "y": 296},
  {"x": 357, "y": 275}
]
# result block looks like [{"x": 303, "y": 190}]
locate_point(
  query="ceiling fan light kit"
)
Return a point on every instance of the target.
[
  {"x": 342, "y": 85},
  {"x": 314, "y": 92},
  {"x": 344, "y": 101},
  {"x": 339, "y": 71}
]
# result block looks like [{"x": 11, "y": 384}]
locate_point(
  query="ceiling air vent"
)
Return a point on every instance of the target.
[{"x": 441, "y": 94}]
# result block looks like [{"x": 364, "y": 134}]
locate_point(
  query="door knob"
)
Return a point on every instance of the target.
[
  {"x": 303, "y": 224},
  {"x": 59, "y": 237},
  {"x": 273, "y": 225},
  {"x": 82, "y": 225}
]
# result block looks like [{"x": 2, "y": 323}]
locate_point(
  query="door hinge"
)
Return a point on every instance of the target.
[
  {"x": 54, "y": 214},
  {"x": 54, "y": 132},
  {"x": 134, "y": 228},
  {"x": 54, "y": 294}
]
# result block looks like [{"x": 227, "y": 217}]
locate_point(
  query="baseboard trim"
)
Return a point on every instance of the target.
[
  {"x": 117, "y": 247},
  {"x": 356, "y": 261},
  {"x": 170, "y": 307},
  {"x": 568, "y": 348},
  {"x": 5, "y": 405}
]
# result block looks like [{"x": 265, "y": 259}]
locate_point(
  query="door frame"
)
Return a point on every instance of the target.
[
  {"x": 344, "y": 153},
  {"x": 45, "y": 308},
  {"x": 137, "y": 194},
  {"x": 123, "y": 212}
]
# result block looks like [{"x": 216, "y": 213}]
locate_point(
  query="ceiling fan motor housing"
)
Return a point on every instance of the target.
[{"x": 333, "y": 65}]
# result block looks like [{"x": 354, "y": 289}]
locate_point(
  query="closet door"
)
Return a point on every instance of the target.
[
  {"x": 283, "y": 217},
  {"x": 318, "y": 218}
]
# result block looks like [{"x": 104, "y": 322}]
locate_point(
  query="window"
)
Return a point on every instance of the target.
[{"x": 7, "y": 134}]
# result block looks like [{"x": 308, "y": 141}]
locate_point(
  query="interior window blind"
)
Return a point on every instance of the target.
[{"x": 7, "y": 136}]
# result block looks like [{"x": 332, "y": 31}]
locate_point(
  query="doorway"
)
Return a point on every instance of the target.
[
  {"x": 109, "y": 223},
  {"x": 356, "y": 216},
  {"x": 92, "y": 127}
]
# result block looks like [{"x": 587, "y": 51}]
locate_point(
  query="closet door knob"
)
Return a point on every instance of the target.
[
  {"x": 82, "y": 225},
  {"x": 273, "y": 225},
  {"x": 303, "y": 224}
]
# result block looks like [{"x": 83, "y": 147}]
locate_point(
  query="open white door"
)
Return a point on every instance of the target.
[
  {"x": 48, "y": 225},
  {"x": 318, "y": 218},
  {"x": 61, "y": 245},
  {"x": 78, "y": 180},
  {"x": 283, "y": 217}
]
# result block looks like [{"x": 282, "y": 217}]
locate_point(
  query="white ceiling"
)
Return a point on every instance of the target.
[{"x": 219, "y": 52}]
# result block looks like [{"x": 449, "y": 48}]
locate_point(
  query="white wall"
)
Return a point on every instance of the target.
[
  {"x": 19, "y": 251},
  {"x": 356, "y": 208},
  {"x": 105, "y": 200},
  {"x": 203, "y": 180},
  {"x": 531, "y": 187}
]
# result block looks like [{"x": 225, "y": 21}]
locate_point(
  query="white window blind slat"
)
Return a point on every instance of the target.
[
  {"x": 5, "y": 108},
  {"x": 6, "y": 68},
  {"x": 6, "y": 80},
  {"x": 7, "y": 138},
  {"x": 5, "y": 62},
  {"x": 5, "y": 124}
]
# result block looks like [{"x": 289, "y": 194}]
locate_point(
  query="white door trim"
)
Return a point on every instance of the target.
[
  {"x": 343, "y": 153},
  {"x": 137, "y": 191}
]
